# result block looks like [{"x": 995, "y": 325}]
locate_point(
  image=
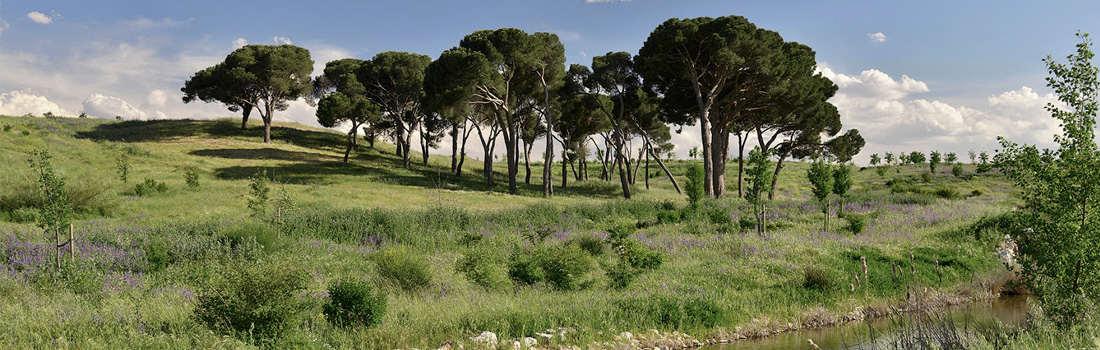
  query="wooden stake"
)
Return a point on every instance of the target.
[
  {"x": 57, "y": 249},
  {"x": 72, "y": 244}
]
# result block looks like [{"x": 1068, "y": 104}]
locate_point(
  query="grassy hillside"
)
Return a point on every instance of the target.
[{"x": 451, "y": 258}]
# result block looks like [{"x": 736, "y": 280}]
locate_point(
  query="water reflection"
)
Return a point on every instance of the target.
[{"x": 1010, "y": 310}]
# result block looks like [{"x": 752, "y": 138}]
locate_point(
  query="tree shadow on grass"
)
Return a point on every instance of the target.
[
  {"x": 161, "y": 130},
  {"x": 260, "y": 153}
]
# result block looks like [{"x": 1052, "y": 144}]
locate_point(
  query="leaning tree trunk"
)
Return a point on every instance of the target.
[
  {"x": 462, "y": 151},
  {"x": 267, "y": 123},
  {"x": 741, "y": 164},
  {"x": 351, "y": 140},
  {"x": 667, "y": 173},
  {"x": 564, "y": 169},
  {"x": 454, "y": 148},
  {"x": 647, "y": 166},
  {"x": 775, "y": 176}
]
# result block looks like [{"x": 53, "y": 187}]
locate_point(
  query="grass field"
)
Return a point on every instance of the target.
[{"x": 145, "y": 262}]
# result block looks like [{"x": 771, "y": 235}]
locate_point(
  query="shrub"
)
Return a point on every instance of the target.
[
  {"x": 481, "y": 266},
  {"x": 957, "y": 170},
  {"x": 818, "y": 278},
  {"x": 856, "y": 223},
  {"x": 746, "y": 223},
  {"x": 26, "y": 133},
  {"x": 926, "y": 177},
  {"x": 564, "y": 265},
  {"x": 149, "y": 187},
  {"x": 353, "y": 303},
  {"x": 7, "y": 127},
  {"x": 191, "y": 175},
  {"x": 122, "y": 164},
  {"x": 523, "y": 267},
  {"x": 403, "y": 268},
  {"x": 156, "y": 255},
  {"x": 588, "y": 243},
  {"x": 260, "y": 301},
  {"x": 639, "y": 256},
  {"x": 258, "y": 193},
  {"x": 621, "y": 275}
]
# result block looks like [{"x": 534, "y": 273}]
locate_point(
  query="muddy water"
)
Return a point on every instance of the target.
[{"x": 1010, "y": 310}]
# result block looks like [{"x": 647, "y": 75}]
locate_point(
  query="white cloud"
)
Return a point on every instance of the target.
[
  {"x": 239, "y": 43},
  {"x": 157, "y": 98},
  {"x": 282, "y": 40},
  {"x": 3, "y": 26},
  {"x": 108, "y": 107},
  {"x": 891, "y": 119},
  {"x": 877, "y": 37},
  {"x": 40, "y": 18},
  {"x": 22, "y": 102},
  {"x": 142, "y": 23}
]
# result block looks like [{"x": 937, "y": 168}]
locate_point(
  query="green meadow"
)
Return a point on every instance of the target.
[{"x": 186, "y": 266}]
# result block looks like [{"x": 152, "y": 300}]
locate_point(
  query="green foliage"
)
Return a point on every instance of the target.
[
  {"x": 758, "y": 174},
  {"x": 1058, "y": 241},
  {"x": 258, "y": 193},
  {"x": 875, "y": 159},
  {"x": 253, "y": 302},
  {"x": 951, "y": 157},
  {"x": 241, "y": 236},
  {"x": 946, "y": 192},
  {"x": 916, "y": 157},
  {"x": 856, "y": 223},
  {"x": 55, "y": 213},
  {"x": 933, "y": 161},
  {"x": 149, "y": 187},
  {"x": 821, "y": 182},
  {"x": 845, "y": 146},
  {"x": 403, "y": 268},
  {"x": 819, "y": 278},
  {"x": 26, "y": 133},
  {"x": 191, "y": 176},
  {"x": 523, "y": 267},
  {"x": 694, "y": 186},
  {"x": 675, "y": 312},
  {"x": 564, "y": 265},
  {"x": 926, "y": 177},
  {"x": 589, "y": 243},
  {"x": 122, "y": 163},
  {"x": 482, "y": 266},
  {"x": 957, "y": 170},
  {"x": 7, "y": 127},
  {"x": 352, "y": 303},
  {"x": 881, "y": 171},
  {"x": 984, "y": 166},
  {"x": 156, "y": 255},
  {"x": 889, "y": 158}
]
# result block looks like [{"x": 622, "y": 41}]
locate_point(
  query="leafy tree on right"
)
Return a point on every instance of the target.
[{"x": 1059, "y": 226}]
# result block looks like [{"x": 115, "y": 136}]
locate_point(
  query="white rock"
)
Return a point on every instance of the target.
[
  {"x": 627, "y": 335},
  {"x": 530, "y": 342},
  {"x": 516, "y": 345},
  {"x": 487, "y": 338}
]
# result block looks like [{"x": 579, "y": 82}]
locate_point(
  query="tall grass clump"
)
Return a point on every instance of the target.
[
  {"x": 482, "y": 266},
  {"x": 403, "y": 268}
]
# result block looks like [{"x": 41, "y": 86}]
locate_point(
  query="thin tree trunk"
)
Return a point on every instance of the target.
[
  {"x": 424, "y": 143},
  {"x": 775, "y": 176},
  {"x": 527, "y": 162},
  {"x": 454, "y": 148},
  {"x": 741, "y": 164},
  {"x": 246, "y": 110},
  {"x": 647, "y": 165},
  {"x": 667, "y": 173},
  {"x": 622, "y": 174},
  {"x": 564, "y": 170},
  {"x": 351, "y": 137}
]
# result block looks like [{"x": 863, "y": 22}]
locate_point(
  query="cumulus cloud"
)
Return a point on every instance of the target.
[
  {"x": 23, "y": 102},
  {"x": 892, "y": 116},
  {"x": 3, "y": 26},
  {"x": 282, "y": 40},
  {"x": 157, "y": 98},
  {"x": 40, "y": 18},
  {"x": 877, "y": 37},
  {"x": 239, "y": 43},
  {"x": 107, "y": 107},
  {"x": 142, "y": 23}
]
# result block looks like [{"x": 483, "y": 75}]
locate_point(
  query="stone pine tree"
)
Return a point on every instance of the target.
[
  {"x": 263, "y": 77},
  {"x": 933, "y": 160},
  {"x": 338, "y": 108},
  {"x": 821, "y": 181},
  {"x": 1059, "y": 235}
]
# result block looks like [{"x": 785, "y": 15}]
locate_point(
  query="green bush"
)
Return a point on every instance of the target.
[
  {"x": 957, "y": 170},
  {"x": 856, "y": 223},
  {"x": 353, "y": 303},
  {"x": 149, "y": 187},
  {"x": 818, "y": 278},
  {"x": 564, "y": 265},
  {"x": 694, "y": 186},
  {"x": 746, "y": 223},
  {"x": 156, "y": 256},
  {"x": 258, "y": 301},
  {"x": 524, "y": 268},
  {"x": 403, "y": 268},
  {"x": 639, "y": 256},
  {"x": 7, "y": 127},
  {"x": 926, "y": 177},
  {"x": 482, "y": 267},
  {"x": 621, "y": 275}
]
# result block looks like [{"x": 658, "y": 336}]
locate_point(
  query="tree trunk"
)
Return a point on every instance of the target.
[
  {"x": 351, "y": 139},
  {"x": 527, "y": 162},
  {"x": 647, "y": 152},
  {"x": 462, "y": 151},
  {"x": 564, "y": 170},
  {"x": 511, "y": 144},
  {"x": 719, "y": 148},
  {"x": 775, "y": 176},
  {"x": 667, "y": 173},
  {"x": 246, "y": 110},
  {"x": 741, "y": 164},
  {"x": 454, "y": 148},
  {"x": 547, "y": 184},
  {"x": 622, "y": 174},
  {"x": 267, "y": 123}
]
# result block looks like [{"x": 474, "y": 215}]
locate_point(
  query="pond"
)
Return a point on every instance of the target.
[{"x": 1009, "y": 310}]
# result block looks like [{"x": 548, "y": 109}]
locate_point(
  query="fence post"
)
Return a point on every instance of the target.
[{"x": 72, "y": 244}]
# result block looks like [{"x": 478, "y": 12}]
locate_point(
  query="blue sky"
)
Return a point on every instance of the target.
[{"x": 947, "y": 75}]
